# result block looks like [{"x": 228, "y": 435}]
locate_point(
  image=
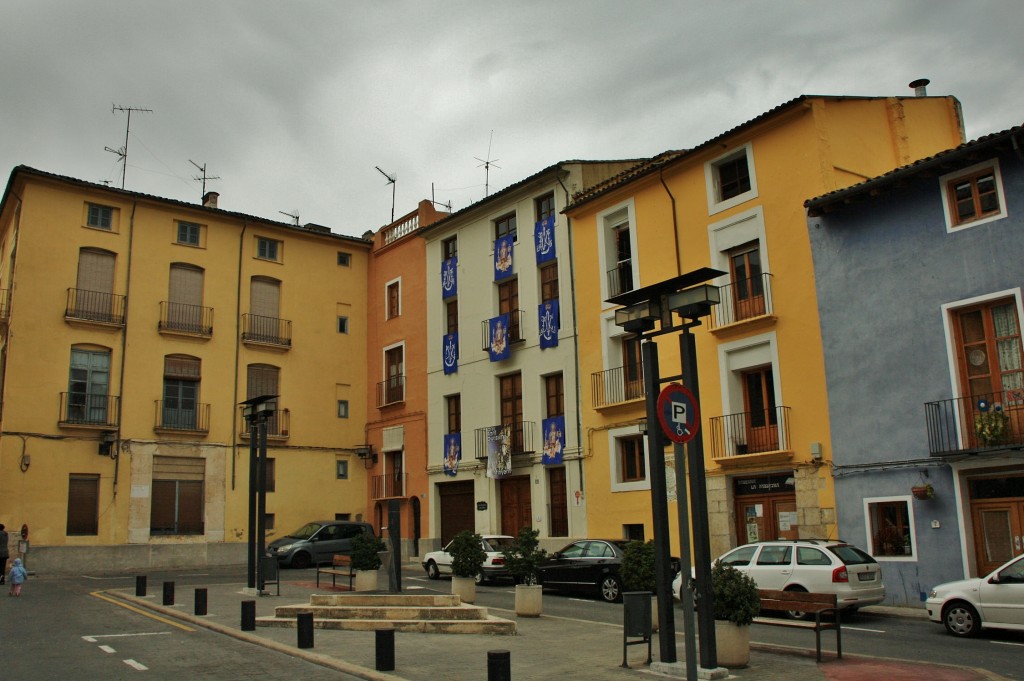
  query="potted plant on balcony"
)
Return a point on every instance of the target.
[
  {"x": 366, "y": 548},
  {"x": 468, "y": 556},
  {"x": 521, "y": 559},
  {"x": 923, "y": 492},
  {"x": 990, "y": 423},
  {"x": 736, "y": 604},
  {"x": 637, "y": 572}
]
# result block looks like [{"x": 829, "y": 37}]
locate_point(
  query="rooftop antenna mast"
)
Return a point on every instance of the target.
[
  {"x": 393, "y": 181},
  {"x": 486, "y": 165},
  {"x": 294, "y": 216},
  {"x": 434, "y": 200},
  {"x": 122, "y": 153},
  {"x": 202, "y": 178}
]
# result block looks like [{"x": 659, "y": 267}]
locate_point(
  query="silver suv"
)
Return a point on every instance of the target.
[
  {"x": 316, "y": 542},
  {"x": 815, "y": 565}
]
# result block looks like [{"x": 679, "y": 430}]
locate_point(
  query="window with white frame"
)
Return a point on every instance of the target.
[
  {"x": 973, "y": 196},
  {"x": 890, "y": 528},
  {"x": 628, "y": 459},
  {"x": 188, "y": 233},
  {"x": 268, "y": 249},
  {"x": 730, "y": 179},
  {"x": 100, "y": 217},
  {"x": 618, "y": 251},
  {"x": 393, "y": 296},
  {"x": 751, "y": 397}
]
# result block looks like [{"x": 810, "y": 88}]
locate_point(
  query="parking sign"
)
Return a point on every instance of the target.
[{"x": 678, "y": 413}]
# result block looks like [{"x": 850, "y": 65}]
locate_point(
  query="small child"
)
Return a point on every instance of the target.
[{"x": 17, "y": 577}]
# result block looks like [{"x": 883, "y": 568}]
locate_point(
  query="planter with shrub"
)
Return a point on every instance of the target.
[
  {"x": 736, "y": 604},
  {"x": 521, "y": 559},
  {"x": 468, "y": 556},
  {"x": 366, "y": 560}
]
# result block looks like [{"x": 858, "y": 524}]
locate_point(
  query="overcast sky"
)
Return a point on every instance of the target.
[{"x": 293, "y": 104}]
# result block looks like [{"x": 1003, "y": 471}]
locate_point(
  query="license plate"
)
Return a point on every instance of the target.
[{"x": 866, "y": 576}]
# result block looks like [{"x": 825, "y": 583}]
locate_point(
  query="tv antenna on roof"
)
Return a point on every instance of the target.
[
  {"x": 202, "y": 178},
  {"x": 294, "y": 216},
  {"x": 486, "y": 165},
  {"x": 122, "y": 153},
  {"x": 393, "y": 181}
]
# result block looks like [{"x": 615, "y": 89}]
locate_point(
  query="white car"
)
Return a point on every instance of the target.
[
  {"x": 814, "y": 565},
  {"x": 995, "y": 601},
  {"x": 438, "y": 563}
]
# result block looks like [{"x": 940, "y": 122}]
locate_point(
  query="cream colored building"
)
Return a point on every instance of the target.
[{"x": 132, "y": 328}]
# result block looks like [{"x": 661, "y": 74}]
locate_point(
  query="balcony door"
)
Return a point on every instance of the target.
[
  {"x": 89, "y": 386},
  {"x": 265, "y": 309},
  {"x": 748, "y": 286},
  {"x": 512, "y": 409},
  {"x": 185, "y": 295},
  {"x": 508, "y": 303},
  {"x": 94, "y": 298},
  {"x": 632, "y": 369},
  {"x": 762, "y": 428},
  {"x": 997, "y": 512},
  {"x": 394, "y": 389}
]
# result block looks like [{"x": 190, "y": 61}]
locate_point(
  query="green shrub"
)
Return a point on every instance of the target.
[
  {"x": 467, "y": 554},
  {"x": 735, "y": 595},
  {"x": 637, "y": 570},
  {"x": 365, "y": 549},
  {"x": 523, "y": 556}
]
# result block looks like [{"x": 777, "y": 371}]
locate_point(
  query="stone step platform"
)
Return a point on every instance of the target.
[{"x": 442, "y": 614}]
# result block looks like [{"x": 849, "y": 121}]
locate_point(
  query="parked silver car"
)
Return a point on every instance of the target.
[
  {"x": 316, "y": 542},
  {"x": 967, "y": 606},
  {"x": 438, "y": 563}
]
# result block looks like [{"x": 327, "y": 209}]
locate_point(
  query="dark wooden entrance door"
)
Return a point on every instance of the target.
[
  {"x": 516, "y": 510},
  {"x": 456, "y": 509}
]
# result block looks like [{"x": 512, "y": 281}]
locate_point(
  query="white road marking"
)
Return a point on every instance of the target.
[
  {"x": 92, "y": 639},
  {"x": 872, "y": 631},
  {"x": 107, "y": 649},
  {"x": 1008, "y": 643},
  {"x": 136, "y": 665}
]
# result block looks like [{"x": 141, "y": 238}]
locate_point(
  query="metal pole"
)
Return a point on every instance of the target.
[
  {"x": 659, "y": 506},
  {"x": 261, "y": 508},
  {"x": 699, "y": 504},
  {"x": 685, "y": 562},
  {"x": 251, "y": 544}
]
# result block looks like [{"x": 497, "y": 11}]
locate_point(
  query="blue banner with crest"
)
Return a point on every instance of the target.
[
  {"x": 500, "y": 348},
  {"x": 554, "y": 440},
  {"x": 452, "y": 453},
  {"x": 548, "y": 321},
  {"x": 503, "y": 249},
  {"x": 450, "y": 350},
  {"x": 544, "y": 239},
  {"x": 449, "y": 280}
]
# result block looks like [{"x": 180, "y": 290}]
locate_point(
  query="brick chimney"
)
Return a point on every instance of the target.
[{"x": 210, "y": 199}]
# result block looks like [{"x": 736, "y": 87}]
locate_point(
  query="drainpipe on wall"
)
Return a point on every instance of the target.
[
  {"x": 238, "y": 353},
  {"x": 675, "y": 222},
  {"x": 575, "y": 335},
  {"x": 116, "y": 447}
]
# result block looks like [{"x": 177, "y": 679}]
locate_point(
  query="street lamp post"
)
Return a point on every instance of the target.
[
  {"x": 256, "y": 412},
  {"x": 689, "y": 297}
]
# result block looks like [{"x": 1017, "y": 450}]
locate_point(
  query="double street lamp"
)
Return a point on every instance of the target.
[
  {"x": 257, "y": 411},
  {"x": 689, "y": 298}
]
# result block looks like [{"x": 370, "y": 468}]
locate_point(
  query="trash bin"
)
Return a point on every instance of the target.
[{"x": 637, "y": 613}]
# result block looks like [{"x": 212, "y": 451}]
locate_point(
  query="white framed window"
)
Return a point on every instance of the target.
[
  {"x": 100, "y": 217},
  {"x": 617, "y": 250},
  {"x": 268, "y": 249},
  {"x": 973, "y": 196},
  {"x": 752, "y": 403},
  {"x": 188, "y": 233},
  {"x": 889, "y": 524},
  {"x": 730, "y": 179},
  {"x": 628, "y": 460},
  {"x": 393, "y": 299}
]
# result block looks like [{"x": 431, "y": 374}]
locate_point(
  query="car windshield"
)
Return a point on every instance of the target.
[
  {"x": 851, "y": 555},
  {"x": 498, "y": 543},
  {"x": 306, "y": 531}
]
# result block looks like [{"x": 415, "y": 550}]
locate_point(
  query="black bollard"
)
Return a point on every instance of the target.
[
  {"x": 140, "y": 586},
  {"x": 385, "y": 650},
  {"x": 499, "y": 665},
  {"x": 168, "y": 593},
  {"x": 304, "y": 623},
  {"x": 248, "y": 615},
  {"x": 200, "y": 601}
]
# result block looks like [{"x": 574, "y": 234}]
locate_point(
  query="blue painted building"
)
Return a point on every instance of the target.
[{"x": 919, "y": 276}]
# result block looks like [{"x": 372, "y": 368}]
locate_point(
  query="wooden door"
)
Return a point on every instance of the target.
[
  {"x": 998, "y": 532},
  {"x": 766, "y": 517},
  {"x": 516, "y": 508},
  {"x": 457, "y": 513},
  {"x": 747, "y": 284},
  {"x": 759, "y": 402},
  {"x": 558, "y": 512}
]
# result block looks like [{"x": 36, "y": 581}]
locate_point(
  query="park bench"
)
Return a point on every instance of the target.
[
  {"x": 341, "y": 566},
  {"x": 816, "y": 604}
]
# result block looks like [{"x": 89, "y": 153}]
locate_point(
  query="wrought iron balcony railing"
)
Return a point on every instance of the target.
[
  {"x": 518, "y": 438},
  {"x": 95, "y": 306},
  {"x": 749, "y": 432},
  {"x": 391, "y": 391},
  {"x": 388, "y": 486},
  {"x": 513, "y": 334},
  {"x": 83, "y": 409},
  {"x": 266, "y": 330},
  {"x": 183, "y": 318},
  {"x": 744, "y": 299},
  {"x": 278, "y": 425},
  {"x": 175, "y": 416},
  {"x": 620, "y": 279},
  {"x": 961, "y": 426},
  {"x": 614, "y": 386}
]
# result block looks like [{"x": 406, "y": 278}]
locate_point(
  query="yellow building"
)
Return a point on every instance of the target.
[
  {"x": 733, "y": 203},
  {"x": 133, "y": 326}
]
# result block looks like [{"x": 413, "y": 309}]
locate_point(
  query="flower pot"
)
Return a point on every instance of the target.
[
  {"x": 464, "y": 588},
  {"x": 923, "y": 492},
  {"x": 366, "y": 580},
  {"x": 529, "y": 601},
  {"x": 733, "y": 643}
]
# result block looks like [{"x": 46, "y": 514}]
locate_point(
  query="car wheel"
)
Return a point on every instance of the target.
[
  {"x": 301, "y": 560},
  {"x": 480, "y": 578},
  {"x": 432, "y": 571},
  {"x": 797, "y": 614},
  {"x": 610, "y": 588},
  {"x": 961, "y": 619}
]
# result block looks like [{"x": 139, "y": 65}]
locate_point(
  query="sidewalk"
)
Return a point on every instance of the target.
[{"x": 547, "y": 647}]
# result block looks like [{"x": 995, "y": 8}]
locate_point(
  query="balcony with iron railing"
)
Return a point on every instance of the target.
[
  {"x": 962, "y": 426},
  {"x": 388, "y": 486},
  {"x": 761, "y": 435},
  {"x": 82, "y": 410},
  {"x": 260, "y": 330},
  {"x": 278, "y": 424},
  {"x": 615, "y": 386},
  {"x": 620, "y": 279},
  {"x": 514, "y": 334},
  {"x": 391, "y": 391},
  {"x": 189, "y": 320},
  {"x": 173, "y": 416},
  {"x": 95, "y": 307},
  {"x": 744, "y": 300},
  {"x": 518, "y": 436}
]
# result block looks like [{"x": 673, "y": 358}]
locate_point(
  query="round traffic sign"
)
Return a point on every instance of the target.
[{"x": 678, "y": 413}]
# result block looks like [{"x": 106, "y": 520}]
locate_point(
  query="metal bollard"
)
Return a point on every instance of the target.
[
  {"x": 200, "y": 601},
  {"x": 385, "y": 650},
  {"x": 248, "y": 615},
  {"x": 140, "y": 586},
  {"x": 168, "y": 593},
  {"x": 499, "y": 665},
  {"x": 304, "y": 623}
]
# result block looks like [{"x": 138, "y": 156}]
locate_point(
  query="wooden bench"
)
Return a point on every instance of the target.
[
  {"x": 341, "y": 566},
  {"x": 818, "y": 604}
]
